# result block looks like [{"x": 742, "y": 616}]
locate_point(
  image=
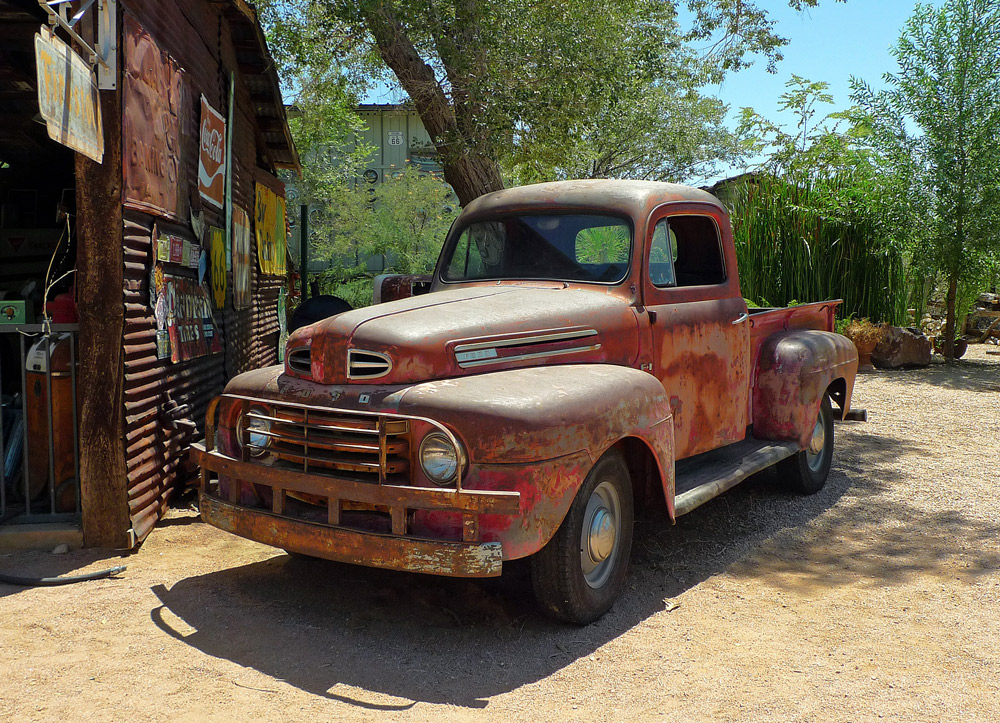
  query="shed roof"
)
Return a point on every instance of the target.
[{"x": 256, "y": 66}]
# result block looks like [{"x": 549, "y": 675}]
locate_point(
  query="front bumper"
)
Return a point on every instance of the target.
[{"x": 396, "y": 551}]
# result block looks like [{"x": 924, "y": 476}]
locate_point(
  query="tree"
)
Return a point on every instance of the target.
[
  {"x": 937, "y": 122},
  {"x": 525, "y": 82},
  {"x": 403, "y": 220}
]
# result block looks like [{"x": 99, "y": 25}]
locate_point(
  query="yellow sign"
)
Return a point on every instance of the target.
[
  {"x": 67, "y": 97},
  {"x": 217, "y": 244},
  {"x": 270, "y": 226}
]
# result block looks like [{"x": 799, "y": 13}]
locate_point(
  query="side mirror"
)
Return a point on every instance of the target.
[{"x": 390, "y": 287}]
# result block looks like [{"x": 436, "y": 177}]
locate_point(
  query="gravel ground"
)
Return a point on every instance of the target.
[{"x": 876, "y": 599}]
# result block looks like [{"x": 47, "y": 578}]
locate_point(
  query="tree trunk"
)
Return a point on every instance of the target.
[
  {"x": 470, "y": 173},
  {"x": 949, "y": 323}
]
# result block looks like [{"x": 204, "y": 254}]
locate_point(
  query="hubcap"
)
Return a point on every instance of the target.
[
  {"x": 600, "y": 535},
  {"x": 814, "y": 453}
]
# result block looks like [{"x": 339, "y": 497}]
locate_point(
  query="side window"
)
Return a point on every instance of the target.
[
  {"x": 662, "y": 254},
  {"x": 695, "y": 249},
  {"x": 468, "y": 261}
]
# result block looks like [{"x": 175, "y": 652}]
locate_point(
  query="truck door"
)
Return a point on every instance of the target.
[{"x": 699, "y": 325}]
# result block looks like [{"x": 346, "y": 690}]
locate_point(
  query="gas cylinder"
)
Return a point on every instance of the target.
[{"x": 36, "y": 412}]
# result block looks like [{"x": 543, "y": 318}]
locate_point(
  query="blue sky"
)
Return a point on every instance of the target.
[{"x": 828, "y": 43}]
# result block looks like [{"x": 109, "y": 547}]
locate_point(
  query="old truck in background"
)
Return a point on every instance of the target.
[{"x": 584, "y": 353}]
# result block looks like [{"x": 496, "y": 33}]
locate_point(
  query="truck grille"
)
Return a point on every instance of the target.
[
  {"x": 359, "y": 448},
  {"x": 367, "y": 364}
]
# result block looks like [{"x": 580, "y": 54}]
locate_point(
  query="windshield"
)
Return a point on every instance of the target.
[{"x": 564, "y": 247}]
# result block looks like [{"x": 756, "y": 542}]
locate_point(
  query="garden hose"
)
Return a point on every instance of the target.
[{"x": 69, "y": 579}]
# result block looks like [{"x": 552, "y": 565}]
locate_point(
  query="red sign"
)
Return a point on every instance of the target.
[
  {"x": 212, "y": 156},
  {"x": 189, "y": 319}
]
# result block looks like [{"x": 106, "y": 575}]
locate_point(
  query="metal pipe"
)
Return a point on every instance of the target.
[
  {"x": 3, "y": 457},
  {"x": 25, "y": 470},
  {"x": 304, "y": 249},
  {"x": 52, "y": 441},
  {"x": 76, "y": 427}
]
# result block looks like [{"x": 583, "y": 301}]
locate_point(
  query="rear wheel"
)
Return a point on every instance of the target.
[
  {"x": 578, "y": 576},
  {"x": 806, "y": 471}
]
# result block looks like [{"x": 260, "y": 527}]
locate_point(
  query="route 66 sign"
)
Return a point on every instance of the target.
[{"x": 395, "y": 138}]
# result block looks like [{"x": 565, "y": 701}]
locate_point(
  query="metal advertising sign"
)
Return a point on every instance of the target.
[
  {"x": 67, "y": 96},
  {"x": 154, "y": 100},
  {"x": 217, "y": 246},
  {"x": 270, "y": 226},
  {"x": 241, "y": 258},
  {"x": 189, "y": 319},
  {"x": 211, "y": 155}
]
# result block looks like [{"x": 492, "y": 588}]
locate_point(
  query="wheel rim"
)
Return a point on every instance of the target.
[
  {"x": 601, "y": 535},
  {"x": 817, "y": 445}
]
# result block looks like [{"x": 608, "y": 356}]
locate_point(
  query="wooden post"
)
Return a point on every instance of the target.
[{"x": 100, "y": 300}]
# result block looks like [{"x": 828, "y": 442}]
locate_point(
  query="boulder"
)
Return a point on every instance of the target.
[{"x": 902, "y": 347}]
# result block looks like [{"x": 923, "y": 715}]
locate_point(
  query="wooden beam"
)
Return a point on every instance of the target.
[{"x": 100, "y": 283}]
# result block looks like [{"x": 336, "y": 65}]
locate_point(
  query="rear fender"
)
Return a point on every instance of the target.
[{"x": 794, "y": 370}]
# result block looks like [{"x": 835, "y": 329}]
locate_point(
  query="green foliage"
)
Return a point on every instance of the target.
[
  {"x": 792, "y": 247},
  {"x": 818, "y": 221},
  {"x": 603, "y": 245},
  {"x": 403, "y": 221},
  {"x": 936, "y": 126}
]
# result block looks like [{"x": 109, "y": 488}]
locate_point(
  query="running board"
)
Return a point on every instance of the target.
[{"x": 705, "y": 476}]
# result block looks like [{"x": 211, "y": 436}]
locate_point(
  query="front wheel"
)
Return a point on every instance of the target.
[
  {"x": 806, "y": 471},
  {"x": 580, "y": 573}
]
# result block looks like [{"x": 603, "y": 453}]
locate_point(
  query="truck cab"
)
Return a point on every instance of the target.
[{"x": 584, "y": 352}]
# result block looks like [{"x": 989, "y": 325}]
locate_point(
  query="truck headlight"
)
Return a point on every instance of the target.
[
  {"x": 439, "y": 459},
  {"x": 256, "y": 434}
]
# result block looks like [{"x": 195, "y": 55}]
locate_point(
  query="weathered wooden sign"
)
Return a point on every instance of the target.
[
  {"x": 270, "y": 227},
  {"x": 67, "y": 96},
  {"x": 154, "y": 99},
  {"x": 241, "y": 258}
]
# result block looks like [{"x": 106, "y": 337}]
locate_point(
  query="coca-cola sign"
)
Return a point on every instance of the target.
[{"x": 211, "y": 156}]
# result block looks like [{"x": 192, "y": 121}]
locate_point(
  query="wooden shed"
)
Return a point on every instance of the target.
[{"x": 167, "y": 207}]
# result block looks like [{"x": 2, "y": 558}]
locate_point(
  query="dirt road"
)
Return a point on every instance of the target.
[{"x": 877, "y": 599}]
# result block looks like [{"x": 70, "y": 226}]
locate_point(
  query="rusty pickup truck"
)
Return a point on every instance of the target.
[{"x": 584, "y": 353}]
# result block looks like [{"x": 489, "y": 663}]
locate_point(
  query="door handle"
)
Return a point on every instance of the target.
[{"x": 743, "y": 317}]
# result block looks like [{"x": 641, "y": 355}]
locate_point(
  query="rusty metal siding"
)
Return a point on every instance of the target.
[{"x": 164, "y": 402}]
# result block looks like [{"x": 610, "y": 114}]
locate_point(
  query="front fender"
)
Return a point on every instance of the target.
[
  {"x": 794, "y": 370},
  {"x": 540, "y": 413},
  {"x": 538, "y": 431}
]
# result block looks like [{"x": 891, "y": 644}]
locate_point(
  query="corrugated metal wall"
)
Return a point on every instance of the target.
[{"x": 165, "y": 402}]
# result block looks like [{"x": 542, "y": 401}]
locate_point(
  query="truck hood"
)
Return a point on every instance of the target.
[{"x": 466, "y": 331}]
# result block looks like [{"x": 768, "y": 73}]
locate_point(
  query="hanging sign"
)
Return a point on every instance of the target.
[
  {"x": 217, "y": 245},
  {"x": 270, "y": 226},
  {"x": 211, "y": 155},
  {"x": 190, "y": 325},
  {"x": 241, "y": 258},
  {"x": 67, "y": 96}
]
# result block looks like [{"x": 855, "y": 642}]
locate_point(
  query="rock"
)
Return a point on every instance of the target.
[
  {"x": 901, "y": 347},
  {"x": 61, "y": 549}
]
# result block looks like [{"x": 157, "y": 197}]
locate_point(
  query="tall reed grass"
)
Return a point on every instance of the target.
[{"x": 802, "y": 241}]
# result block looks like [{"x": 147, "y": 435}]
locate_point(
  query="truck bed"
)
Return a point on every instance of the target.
[{"x": 818, "y": 315}]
